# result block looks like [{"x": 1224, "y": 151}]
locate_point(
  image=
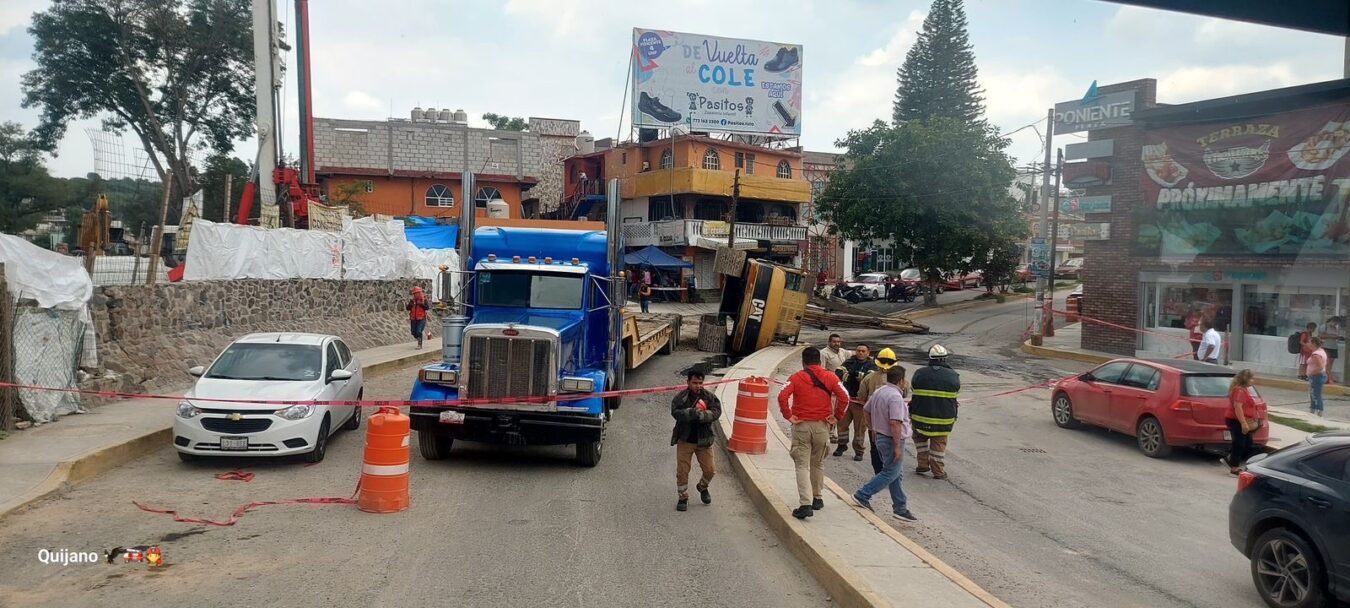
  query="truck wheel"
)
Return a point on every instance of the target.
[
  {"x": 669, "y": 348},
  {"x": 433, "y": 446},
  {"x": 613, "y": 403}
]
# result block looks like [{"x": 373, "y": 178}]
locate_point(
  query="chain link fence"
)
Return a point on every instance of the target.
[{"x": 47, "y": 346}]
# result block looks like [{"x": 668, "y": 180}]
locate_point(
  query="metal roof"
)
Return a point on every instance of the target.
[{"x": 1320, "y": 16}]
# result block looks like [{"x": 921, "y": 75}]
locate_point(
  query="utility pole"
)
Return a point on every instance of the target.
[
  {"x": 1054, "y": 240},
  {"x": 735, "y": 196},
  {"x": 1038, "y": 329},
  {"x": 229, "y": 180}
]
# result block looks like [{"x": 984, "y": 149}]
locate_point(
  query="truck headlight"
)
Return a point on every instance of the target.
[
  {"x": 577, "y": 385},
  {"x": 187, "y": 410},
  {"x": 295, "y": 412},
  {"x": 436, "y": 376}
]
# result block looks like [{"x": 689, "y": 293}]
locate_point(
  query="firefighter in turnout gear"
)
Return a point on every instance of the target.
[{"x": 933, "y": 410}]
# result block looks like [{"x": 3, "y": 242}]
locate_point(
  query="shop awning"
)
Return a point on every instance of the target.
[{"x": 652, "y": 256}]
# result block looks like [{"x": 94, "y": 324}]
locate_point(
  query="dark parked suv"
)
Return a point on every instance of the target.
[{"x": 1291, "y": 517}]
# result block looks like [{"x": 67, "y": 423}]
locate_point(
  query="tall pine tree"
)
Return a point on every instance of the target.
[{"x": 938, "y": 77}]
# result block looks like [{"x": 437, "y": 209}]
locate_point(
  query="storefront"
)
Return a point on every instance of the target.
[{"x": 1239, "y": 215}]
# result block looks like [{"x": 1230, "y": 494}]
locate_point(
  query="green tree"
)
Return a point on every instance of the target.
[
  {"x": 938, "y": 77},
  {"x": 176, "y": 73},
  {"x": 213, "y": 185},
  {"x": 27, "y": 190},
  {"x": 506, "y": 123}
]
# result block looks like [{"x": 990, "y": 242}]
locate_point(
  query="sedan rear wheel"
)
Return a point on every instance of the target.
[
  {"x": 1152, "y": 440},
  {"x": 1287, "y": 571},
  {"x": 1062, "y": 409}
]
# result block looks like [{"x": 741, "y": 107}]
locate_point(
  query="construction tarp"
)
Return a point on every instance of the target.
[
  {"x": 373, "y": 250},
  {"x": 652, "y": 256},
  {"x": 54, "y": 280},
  {"x": 221, "y": 252},
  {"x": 434, "y": 236}
]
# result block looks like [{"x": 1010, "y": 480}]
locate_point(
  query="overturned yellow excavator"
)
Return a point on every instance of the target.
[{"x": 95, "y": 227}]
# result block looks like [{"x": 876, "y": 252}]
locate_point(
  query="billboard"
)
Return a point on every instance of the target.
[
  {"x": 1275, "y": 185},
  {"x": 707, "y": 83},
  {"x": 1094, "y": 112}
]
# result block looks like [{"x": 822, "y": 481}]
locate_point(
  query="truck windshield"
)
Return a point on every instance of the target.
[{"x": 527, "y": 290}]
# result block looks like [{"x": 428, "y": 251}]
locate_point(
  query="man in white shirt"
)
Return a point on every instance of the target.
[
  {"x": 1210, "y": 343},
  {"x": 832, "y": 359}
]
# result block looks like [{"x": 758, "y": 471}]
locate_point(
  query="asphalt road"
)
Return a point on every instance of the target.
[
  {"x": 1042, "y": 516},
  {"x": 489, "y": 527}
]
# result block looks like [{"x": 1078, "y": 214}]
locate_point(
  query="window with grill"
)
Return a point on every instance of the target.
[
  {"x": 784, "y": 170},
  {"x": 667, "y": 160},
  {"x": 711, "y": 160},
  {"x": 746, "y": 161},
  {"x": 440, "y": 196},
  {"x": 484, "y": 195}
]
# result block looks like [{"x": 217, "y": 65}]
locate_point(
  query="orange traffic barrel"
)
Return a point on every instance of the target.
[
  {"x": 1071, "y": 310},
  {"x": 752, "y": 417},
  {"x": 384, "y": 473}
]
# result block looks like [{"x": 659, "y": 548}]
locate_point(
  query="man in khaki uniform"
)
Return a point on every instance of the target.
[{"x": 832, "y": 358}]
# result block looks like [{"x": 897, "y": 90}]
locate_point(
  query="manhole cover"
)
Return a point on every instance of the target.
[{"x": 1034, "y": 451}]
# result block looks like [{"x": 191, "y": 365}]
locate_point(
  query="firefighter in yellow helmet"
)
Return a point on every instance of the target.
[{"x": 885, "y": 360}]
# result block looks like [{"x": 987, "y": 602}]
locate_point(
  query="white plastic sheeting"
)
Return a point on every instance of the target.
[
  {"x": 46, "y": 346},
  {"x": 220, "y": 252},
  {"x": 374, "y": 250},
  {"x": 425, "y": 264},
  {"x": 54, "y": 280}
]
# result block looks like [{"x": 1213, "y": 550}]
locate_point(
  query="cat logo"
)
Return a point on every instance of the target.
[
  {"x": 236, "y": 417},
  {"x": 757, "y": 310}
]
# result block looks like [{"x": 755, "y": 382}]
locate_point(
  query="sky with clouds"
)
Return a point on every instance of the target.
[{"x": 569, "y": 58}]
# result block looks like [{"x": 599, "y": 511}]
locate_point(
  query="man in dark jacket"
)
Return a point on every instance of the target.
[
  {"x": 695, "y": 410},
  {"x": 852, "y": 373},
  {"x": 933, "y": 410}
]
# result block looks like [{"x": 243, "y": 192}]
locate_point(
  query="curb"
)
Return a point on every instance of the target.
[
  {"x": 1293, "y": 385},
  {"x": 959, "y": 306},
  {"x": 845, "y": 586},
  {"x": 89, "y": 465}
]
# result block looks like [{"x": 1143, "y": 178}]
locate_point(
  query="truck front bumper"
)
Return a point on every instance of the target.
[{"x": 510, "y": 427}]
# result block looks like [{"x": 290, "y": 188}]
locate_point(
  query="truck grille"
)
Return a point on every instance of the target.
[{"x": 509, "y": 367}]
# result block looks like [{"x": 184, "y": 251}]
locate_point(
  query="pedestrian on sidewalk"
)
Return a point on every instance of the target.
[
  {"x": 417, "y": 315},
  {"x": 888, "y": 417},
  {"x": 856, "y": 368},
  {"x": 645, "y": 297},
  {"x": 1332, "y": 333},
  {"x": 817, "y": 398},
  {"x": 1305, "y": 349},
  {"x": 1193, "y": 331},
  {"x": 694, "y": 410},
  {"x": 875, "y": 380},
  {"x": 933, "y": 411},
  {"x": 832, "y": 359},
  {"x": 1210, "y": 344},
  {"x": 1317, "y": 376},
  {"x": 1241, "y": 419}
]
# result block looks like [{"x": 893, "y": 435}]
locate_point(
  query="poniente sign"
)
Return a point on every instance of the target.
[{"x": 1095, "y": 112}]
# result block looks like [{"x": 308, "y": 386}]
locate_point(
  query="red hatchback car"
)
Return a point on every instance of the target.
[{"x": 1162, "y": 403}]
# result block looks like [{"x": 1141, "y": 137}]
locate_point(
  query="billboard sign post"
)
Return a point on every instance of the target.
[{"x": 716, "y": 84}]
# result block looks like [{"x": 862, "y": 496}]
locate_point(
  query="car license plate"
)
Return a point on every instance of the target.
[
  {"x": 234, "y": 443},
  {"x": 452, "y": 417},
  {"x": 1227, "y": 436}
]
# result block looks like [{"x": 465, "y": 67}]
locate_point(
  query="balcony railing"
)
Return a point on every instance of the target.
[{"x": 687, "y": 232}]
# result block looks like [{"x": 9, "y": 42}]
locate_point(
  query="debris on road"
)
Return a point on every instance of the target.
[{"x": 821, "y": 317}]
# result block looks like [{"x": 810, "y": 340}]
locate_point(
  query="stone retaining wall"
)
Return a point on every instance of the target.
[{"x": 147, "y": 339}]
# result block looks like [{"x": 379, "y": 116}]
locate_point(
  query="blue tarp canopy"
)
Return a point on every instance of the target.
[
  {"x": 435, "y": 236},
  {"x": 652, "y": 256}
]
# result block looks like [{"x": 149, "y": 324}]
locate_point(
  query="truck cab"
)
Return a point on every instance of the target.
[{"x": 541, "y": 341}]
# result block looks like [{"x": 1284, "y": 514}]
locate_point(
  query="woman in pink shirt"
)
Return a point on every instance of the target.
[{"x": 1317, "y": 375}]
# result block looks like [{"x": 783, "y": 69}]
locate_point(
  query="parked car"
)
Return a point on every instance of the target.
[
  {"x": 873, "y": 284},
  {"x": 958, "y": 281},
  {"x": 1163, "y": 403},
  {"x": 914, "y": 277},
  {"x": 273, "y": 367},
  {"x": 1023, "y": 273},
  {"x": 1071, "y": 269},
  {"x": 1289, "y": 517}
]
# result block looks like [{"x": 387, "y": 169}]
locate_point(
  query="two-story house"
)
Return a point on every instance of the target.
[{"x": 676, "y": 194}]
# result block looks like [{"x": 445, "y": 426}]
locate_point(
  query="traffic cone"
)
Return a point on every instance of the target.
[
  {"x": 384, "y": 473},
  {"x": 752, "y": 413}
]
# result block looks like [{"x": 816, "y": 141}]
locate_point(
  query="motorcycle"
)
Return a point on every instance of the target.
[
  {"x": 851, "y": 294},
  {"x": 900, "y": 292}
]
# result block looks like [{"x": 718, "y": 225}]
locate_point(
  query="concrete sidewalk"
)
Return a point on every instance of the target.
[
  {"x": 852, "y": 552},
  {"x": 38, "y": 461}
]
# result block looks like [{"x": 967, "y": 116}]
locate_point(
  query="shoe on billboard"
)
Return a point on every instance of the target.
[
  {"x": 785, "y": 59},
  {"x": 653, "y": 107}
]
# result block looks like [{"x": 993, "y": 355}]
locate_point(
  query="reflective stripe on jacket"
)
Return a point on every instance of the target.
[{"x": 933, "y": 407}]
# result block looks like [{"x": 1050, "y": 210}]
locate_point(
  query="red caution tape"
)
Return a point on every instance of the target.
[
  {"x": 235, "y": 476},
  {"x": 234, "y": 517}
]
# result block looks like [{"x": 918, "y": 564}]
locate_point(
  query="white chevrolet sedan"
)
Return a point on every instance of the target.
[{"x": 270, "y": 367}]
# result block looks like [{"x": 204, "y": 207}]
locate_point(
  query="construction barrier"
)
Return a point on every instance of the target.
[
  {"x": 1071, "y": 310},
  {"x": 384, "y": 473},
  {"x": 752, "y": 417}
]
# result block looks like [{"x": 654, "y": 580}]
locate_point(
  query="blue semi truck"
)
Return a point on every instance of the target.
[{"x": 537, "y": 334}]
